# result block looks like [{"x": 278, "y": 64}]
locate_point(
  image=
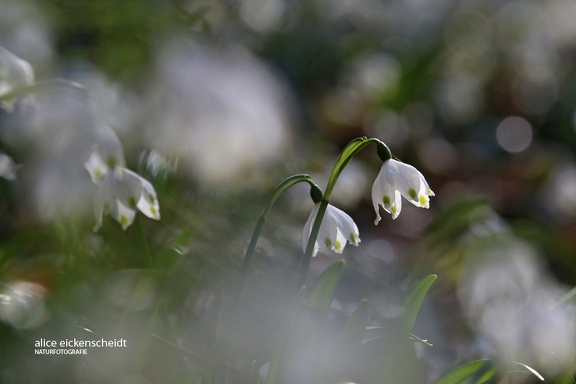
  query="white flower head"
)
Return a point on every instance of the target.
[
  {"x": 336, "y": 229},
  {"x": 14, "y": 73},
  {"x": 106, "y": 156},
  {"x": 398, "y": 179},
  {"x": 121, "y": 193}
]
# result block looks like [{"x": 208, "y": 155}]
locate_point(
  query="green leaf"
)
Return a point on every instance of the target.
[
  {"x": 526, "y": 369},
  {"x": 475, "y": 372},
  {"x": 282, "y": 349},
  {"x": 321, "y": 296},
  {"x": 414, "y": 300},
  {"x": 170, "y": 257},
  {"x": 356, "y": 324}
]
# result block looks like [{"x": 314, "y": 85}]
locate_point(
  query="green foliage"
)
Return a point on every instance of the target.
[
  {"x": 414, "y": 300},
  {"x": 323, "y": 292}
]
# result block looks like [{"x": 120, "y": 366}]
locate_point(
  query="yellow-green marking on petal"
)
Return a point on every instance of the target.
[
  {"x": 132, "y": 202},
  {"x": 423, "y": 199},
  {"x": 338, "y": 245}
]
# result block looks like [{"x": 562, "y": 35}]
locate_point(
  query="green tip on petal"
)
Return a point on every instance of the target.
[
  {"x": 124, "y": 221},
  {"x": 386, "y": 200},
  {"x": 423, "y": 199},
  {"x": 338, "y": 246},
  {"x": 412, "y": 193},
  {"x": 328, "y": 242},
  {"x": 111, "y": 162},
  {"x": 132, "y": 202}
]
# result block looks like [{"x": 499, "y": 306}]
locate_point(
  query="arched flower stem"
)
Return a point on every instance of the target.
[
  {"x": 344, "y": 158},
  {"x": 284, "y": 185}
]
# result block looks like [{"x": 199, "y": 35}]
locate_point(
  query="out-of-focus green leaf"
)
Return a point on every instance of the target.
[
  {"x": 524, "y": 368},
  {"x": 481, "y": 371},
  {"x": 275, "y": 369},
  {"x": 321, "y": 296},
  {"x": 414, "y": 300},
  {"x": 174, "y": 252},
  {"x": 475, "y": 372},
  {"x": 356, "y": 324},
  {"x": 456, "y": 219}
]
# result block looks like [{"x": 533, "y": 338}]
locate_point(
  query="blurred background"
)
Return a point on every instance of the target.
[{"x": 216, "y": 102}]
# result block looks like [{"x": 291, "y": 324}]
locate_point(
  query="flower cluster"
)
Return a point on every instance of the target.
[
  {"x": 120, "y": 192},
  {"x": 395, "y": 179}
]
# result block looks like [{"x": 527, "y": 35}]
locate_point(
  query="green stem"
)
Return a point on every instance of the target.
[
  {"x": 284, "y": 185},
  {"x": 344, "y": 158}
]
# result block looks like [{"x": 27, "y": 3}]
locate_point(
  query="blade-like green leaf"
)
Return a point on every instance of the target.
[
  {"x": 356, "y": 324},
  {"x": 526, "y": 369},
  {"x": 414, "y": 300},
  {"x": 275, "y": 370},
  {"x": 475, "y": 372},
  {"x": 321, "y": 296}
]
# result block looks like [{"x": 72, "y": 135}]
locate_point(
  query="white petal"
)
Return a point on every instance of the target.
[
  {"x": 384, "y": 193},
  {"x": 123, "y": 214},
  {"x": 148, "y": 201},
  {"x": 409, "y": 182},
  {"x": 96, "y": 167},
  {"x": 344, "y": 224},
  {"x": 308, "y": 229},
  {"x": 14, "y": 73},
  {"x": 378, "y": 193},
  {"x": 127, "y": 187}
]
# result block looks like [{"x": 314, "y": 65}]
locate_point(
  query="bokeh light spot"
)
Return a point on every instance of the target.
[{"x": 514, "y": 134}]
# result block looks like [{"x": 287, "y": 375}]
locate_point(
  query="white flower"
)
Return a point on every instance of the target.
[
  {"x": 14, "y": 73},
  {"x": 336, "y": 229},
  {"x": 120, "y": 193},
  {"x": 398, "y": 179},
  {"x": 104, "y": 157}
]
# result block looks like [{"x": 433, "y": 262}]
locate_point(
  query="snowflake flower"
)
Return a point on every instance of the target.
[
  {"x": 336, "y": 229},
  {"x": 398, "y": 179}
]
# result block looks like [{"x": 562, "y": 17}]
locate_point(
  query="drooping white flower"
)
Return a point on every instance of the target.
[
  {"x": 121, "y": 193},
  {"x": 398, "y": 179},
  {"x": 14, "y": 73},
  {"x": 336, "y": 229},
  {"x": 101, "y": 161}
]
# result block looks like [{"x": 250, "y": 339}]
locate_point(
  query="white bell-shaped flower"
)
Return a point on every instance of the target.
[
  {"x": 121, "y": 193},
  {"x": 106, "y": 156},
  {"x": 336, "y": 229},
  {"x": 15, "y": 73},
  {"x": 398, "y": 179}
]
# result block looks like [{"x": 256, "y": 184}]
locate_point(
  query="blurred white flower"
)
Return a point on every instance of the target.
[
  {"x": 15, "y": 73},
  {"x": 22, "y": 305},
  {"x": 120, "y": 192},
  {"x": 336, "y": 229},
  {"x": 514, "y": 304},
  {"x": 222, "y": 113},
  {"x": 398, "y": 179},
  {"x": 7, "y": 167},
  {"x": 103, "y": 159}
]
